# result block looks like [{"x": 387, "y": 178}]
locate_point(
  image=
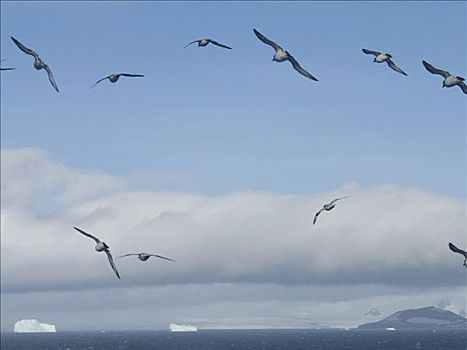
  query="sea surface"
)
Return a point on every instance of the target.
[{"x": 238, "y": 339}]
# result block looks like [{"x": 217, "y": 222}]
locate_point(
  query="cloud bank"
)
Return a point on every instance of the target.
[{"x": 385, "y": 234}]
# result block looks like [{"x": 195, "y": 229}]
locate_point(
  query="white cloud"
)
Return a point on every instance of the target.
[
  {"x": 29, "y": 175},
  {"x": 385, "y": 234}
]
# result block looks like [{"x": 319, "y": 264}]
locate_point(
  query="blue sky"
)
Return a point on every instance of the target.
[{"x": 215, "y": 121}]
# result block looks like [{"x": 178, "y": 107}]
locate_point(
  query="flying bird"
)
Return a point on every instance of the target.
[
  {"x": 282, "y": 55},
  {"x": 144, "y": 256},
  {"x": 384, "y": 57},
  {"x": 329, "y": 206},
  {"x": 114, "y": 77},
  {"x": 449, "y": 79},
  {"x": 5, "y": 68},
  {"x": 101, "y": 247},
  {"x": 38, "y": 63},
  {"x": 459, "y": 251},
  {"x": 205, "y": 42}
]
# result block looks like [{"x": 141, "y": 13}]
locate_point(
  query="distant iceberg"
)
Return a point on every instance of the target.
[
  {"x": 33, "y": 326},
  {"x": 182, "y": 328}
]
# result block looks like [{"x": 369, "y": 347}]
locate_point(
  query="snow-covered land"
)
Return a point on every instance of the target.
[
  {"x": 33, "y": 326},
  {"x": 424, "y": 318}
]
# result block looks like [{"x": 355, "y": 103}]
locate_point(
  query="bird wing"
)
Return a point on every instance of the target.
[
  {"x": 299, "y": 68},
  {"x": 51, "y": 77},
  {"x": 457, "y": 250},
  {"x": 194, "y": 41},
  {"x": 7, "y": 68},
  {"x": 111, "y": 261},
  {"x": 97, "y": 82},
  {"x": 87, "y": 234},
  {"x": 392, "y": 65},
  {"x": 463, "y": 87},
  {"x": 338, "y": 199},
  {"x": 24, "y": 48},
  {"x": 434, "y": 70},
  {"x": 161, "y": 257},
  {"x": 266, "y": 40},
  {"x": 369, "y": 52},
  {"x": 122, "y": 256},
  {"x": 219, "y": 44},
  {"x": 131, "y": 75},
  {"x": 316, "y": 216}
]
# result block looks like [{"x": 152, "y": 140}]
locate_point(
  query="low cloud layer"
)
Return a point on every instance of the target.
[
  {"x": 385, "y": 234},
  {"x": 220, "y": 305}
]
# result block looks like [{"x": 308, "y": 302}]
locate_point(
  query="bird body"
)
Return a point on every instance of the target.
[
  {"x": 143, "y": 256},
  {"x": 101, "y": 247},
  {"x": 203, "y": 42},
  {"x": 113, "y": 78},
  {"x": 38, "y": 62},
  {"x": 384, "y": 57},
  {"x": 282, "y": 55},
  {"x": 328, "y": 206},
  {"x": 452, "y": 80},
  {"x": 449, "y": 79}
]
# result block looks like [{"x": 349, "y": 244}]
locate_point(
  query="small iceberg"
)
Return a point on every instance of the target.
[
  {"x": 390, "y": 329},
  {"x": 33, "y": 326},
  {"x": 183, "y": 328}
]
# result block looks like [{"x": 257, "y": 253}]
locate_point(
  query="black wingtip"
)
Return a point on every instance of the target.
[{"x": 77, "y": 229}]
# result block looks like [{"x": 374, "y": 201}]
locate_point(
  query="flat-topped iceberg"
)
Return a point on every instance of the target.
[
  {"x": 33, "y": 326},
  {"x": 182, "y": 328}
]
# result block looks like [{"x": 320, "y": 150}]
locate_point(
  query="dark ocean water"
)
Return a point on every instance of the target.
[{"x": 238, "y": 339}]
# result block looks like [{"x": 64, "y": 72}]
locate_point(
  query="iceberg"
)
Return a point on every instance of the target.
[
  {"x": 33, "y": 326},
  {"x": 182, "y": 328}
]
